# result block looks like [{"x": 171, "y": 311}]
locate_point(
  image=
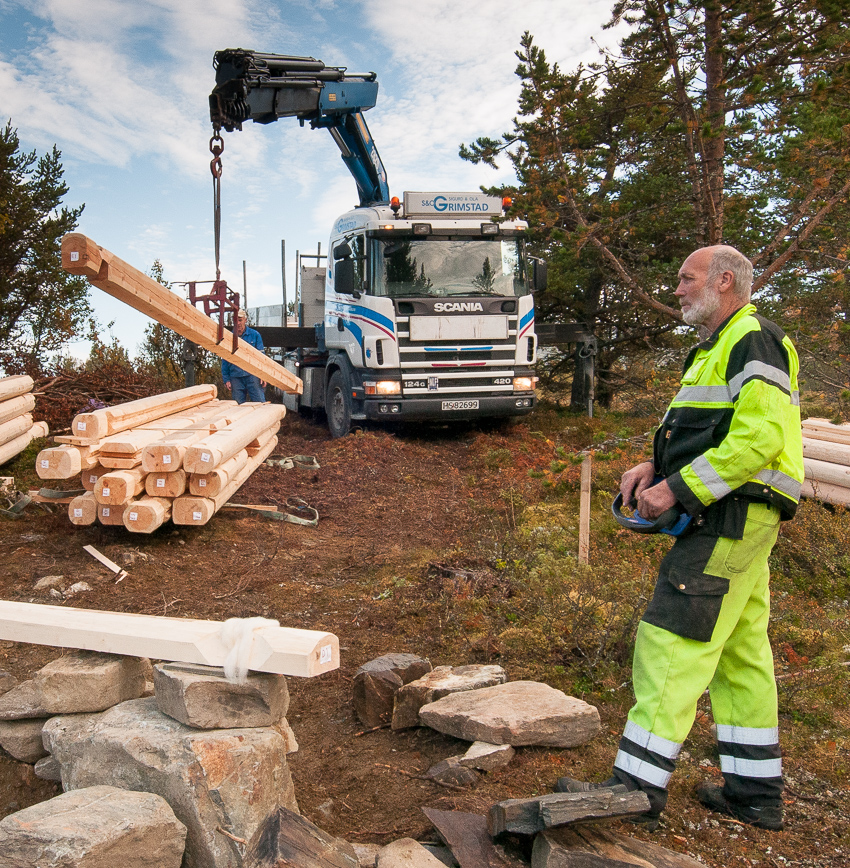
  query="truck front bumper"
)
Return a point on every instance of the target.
[{"x": 434, "y": 409}]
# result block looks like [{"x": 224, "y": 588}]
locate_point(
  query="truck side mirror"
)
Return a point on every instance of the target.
[
  {"x": 540, "y": 275},
  {"x": 344, "y": 276},
  {"x": 342, "y": 251}
]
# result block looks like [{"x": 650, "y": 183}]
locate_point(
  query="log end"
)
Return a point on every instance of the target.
[
  {"x": 83, "y": 509},
  {"x": 80, "y": 255},
  {"x": 192, "y": 510}
]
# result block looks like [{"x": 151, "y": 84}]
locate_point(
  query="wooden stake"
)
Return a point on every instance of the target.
[
  {"x": 281, "y": 650},
  {"x": 584, "y": 511},
  {"x": 80, "y": 255}
]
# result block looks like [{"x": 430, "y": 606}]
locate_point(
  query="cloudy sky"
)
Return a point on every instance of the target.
[{"x": 121, "y": 87}]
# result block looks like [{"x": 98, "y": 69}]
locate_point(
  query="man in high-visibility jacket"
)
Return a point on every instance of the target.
[{"x": 730, "y": 452}]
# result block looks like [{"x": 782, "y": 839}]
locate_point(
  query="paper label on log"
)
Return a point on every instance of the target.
[
  {"x": 325, "y": 654},
  {"x": 105, "y": 492},
  {"x": 196, "y": 516},
  {"x": 160, "y": 483},
  {"x": 134, "y": 516},
  {"x": 81, "y": 426},
  {"x": 205, "y": 456},
  {"x": 105, "y": 512},
  {"x": 78, "y": 513},
  {"x": 166, "y": 459},
  {"x": 202, "y": 483},
  {"x": 93, "y": 478},
  {"x": 45, "y": 463},
  {"x": 75, "y": 256}
]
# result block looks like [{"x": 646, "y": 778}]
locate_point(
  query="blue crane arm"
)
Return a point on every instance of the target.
[{"x": 260, "y": 87}]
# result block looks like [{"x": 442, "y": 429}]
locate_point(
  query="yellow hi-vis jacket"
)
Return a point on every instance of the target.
[{"x": 734, "y": 426}]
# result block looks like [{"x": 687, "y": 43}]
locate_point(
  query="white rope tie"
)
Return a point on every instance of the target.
[{"x": 237, "y": 636}]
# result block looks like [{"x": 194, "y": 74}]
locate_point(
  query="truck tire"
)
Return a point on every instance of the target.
[{"x": 338, "y": 404}]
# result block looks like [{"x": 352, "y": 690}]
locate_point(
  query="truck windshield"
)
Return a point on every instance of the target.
[{"x": 439, "y": 267}]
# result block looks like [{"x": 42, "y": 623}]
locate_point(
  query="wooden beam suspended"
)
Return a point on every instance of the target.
[
  {"x": 80, "y": 255},
  {"x": 281, "y": 650}
]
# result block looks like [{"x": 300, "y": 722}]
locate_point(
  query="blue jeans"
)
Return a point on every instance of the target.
[{"x": 246, "y": 388}]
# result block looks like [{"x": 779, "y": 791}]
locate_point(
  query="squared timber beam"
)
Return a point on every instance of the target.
[{"x": 80, "y": 255}]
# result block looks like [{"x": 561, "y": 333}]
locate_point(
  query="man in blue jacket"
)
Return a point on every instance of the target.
[{"x": 244, "y": 386}]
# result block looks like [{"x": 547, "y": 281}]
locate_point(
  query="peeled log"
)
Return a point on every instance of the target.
[
  {"x": 147, "y": 514},
  {"x": 199, "y": 510},
  {"x": 213, "y": 451},
  {"x": 83, "y": 509},
  {"x": 119, "y": 486},
  {"x": 826, "y": 492},
  {"x": 90, "y": 477},
  {"x": 823, "y": 429},
  {"x": 135, "y": 439},
  {"x": 80, "y": 255},
  {"x": 111, "y": 420},
  {"x": 111, "y": 514},
  {"x": 63, "y": 462},
  {"x": 212, "y": 484},
  {"x": 15, "y": 447},
  {"x": 12, "y": 387},
  {"x": 824, "y": 450},
  {"x": 167, "y": 454},
  {"x": 166, "y": 484},
  {"x": 16, "y": 407},
  {"x": 15, "y": 427}
]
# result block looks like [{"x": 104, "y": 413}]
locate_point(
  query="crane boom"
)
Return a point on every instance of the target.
[{"x": 250, "y": 85}]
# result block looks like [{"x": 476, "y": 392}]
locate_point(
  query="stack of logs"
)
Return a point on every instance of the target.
[
  {"x": 177, "y": 456},
  {"x": 826, "y": 460},
  {"x": 16, "y": 426}
]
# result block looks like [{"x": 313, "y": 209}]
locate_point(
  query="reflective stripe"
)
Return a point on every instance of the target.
[
  {"x": 643, "y": 737},
  {"x": 781, "y": 482},
  {"x": 750, "y": 768},
  {"x": 795, "y": 399},
  {"x": 709, "y": 477},
  {"x": 747, "y": 735},
  {"x": 760, "y": 369},
  {"x": 704, "y": 395},
  {"x": 641, "y": 769}
]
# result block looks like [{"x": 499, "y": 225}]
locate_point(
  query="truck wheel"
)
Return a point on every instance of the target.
[{"x": 338, "y": 405}]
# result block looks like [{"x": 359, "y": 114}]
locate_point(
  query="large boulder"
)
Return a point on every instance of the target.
[
  {"x": 376, "y": 683},
  {"x": 221, "y": 784},
  {"x": 517, "y": 713},
  {"x": 440, "y": 682},
  {"x": 93, "y": 828},
  {"x": 77, "y": 681}
]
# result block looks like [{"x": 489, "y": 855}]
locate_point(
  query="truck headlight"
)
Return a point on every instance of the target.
[
  {"x": 383, "y": 387},
  {"x": 525, "y": 384}
]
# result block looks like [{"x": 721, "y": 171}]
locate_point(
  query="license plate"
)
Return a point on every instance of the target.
[{"x": 460, "y": 405}]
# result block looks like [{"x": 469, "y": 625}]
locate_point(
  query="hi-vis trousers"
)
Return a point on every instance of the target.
[{"x": 733, "y": 660}]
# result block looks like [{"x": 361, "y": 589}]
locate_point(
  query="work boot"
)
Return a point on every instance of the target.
[
  {"x": 648, "y": 821},
  {"x": 766, "y": 817}
]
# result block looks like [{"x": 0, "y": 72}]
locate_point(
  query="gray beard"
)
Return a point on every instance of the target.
[{"x": 700, "y": 312}]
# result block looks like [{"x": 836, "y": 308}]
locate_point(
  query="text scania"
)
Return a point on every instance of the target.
[
  {"x": 447, "y": 306},
  {"x": 441, "y": 203}
]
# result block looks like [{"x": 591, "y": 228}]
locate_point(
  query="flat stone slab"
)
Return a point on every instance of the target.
[
  {"x": 201, "y": 697},
  {"x": 376, "y": 683},
  {"x": 407, "y": 853},
  {"x": 467, "y": 837},
  {"x": 485, "y": 757},
  {"x": 93, "y": 828},
  {"x": 21, "y": 739},
  {"x": 517, "y": 713},
  {"x": 450, "y": 771},
  {"x": 76, "y": 682},
  {"x": 221, "y": 784},
  {"x": 530, "y": 816},
  {"x": 287, "y": 839},
  {"x": 439, "y": 682},
  {"x": 591, "y": 847}
]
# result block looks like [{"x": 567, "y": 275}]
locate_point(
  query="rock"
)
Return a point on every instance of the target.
[
  {"x": 442, "y": 853},
  {"x": 590, "y": 845},
  {"x": 201, "y": 697},
  {"x": 467, "y": 837},
  {"x": 440, "y": 682},
  {"x": 93, "y": 827},
  {"x": 376, "y": 683},
  {"x": 517, "y": 713},
  {"x": 7, "y": 681},
  {"x": 406, "y": 853},
  {"x": 47, "y": 582},
  {"x": 485, "y": 757},
  {"x": 77, "y": 588},
  {"x": 450, "y": 771},
  {"x": 22, "y": 739},
  {"x": 48, "y": 769},
  {"x": 78, "y": 681},
  {"x": 230, "y": 779},
  {"x": 367, "y": 854},
  {"x": 286, "y": 840},
  {"x": 288, "y": 735},
  {"x": 529, "y": 816}
]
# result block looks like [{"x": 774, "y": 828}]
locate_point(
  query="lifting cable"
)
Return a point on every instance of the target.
[{"x": 216, "y": 149}]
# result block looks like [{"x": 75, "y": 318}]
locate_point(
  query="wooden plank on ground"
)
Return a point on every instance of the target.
[
  {"x": 80, "y": 255},
  {"x": 281, "y": 650},
  {"x": 467, "y": 837}
]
